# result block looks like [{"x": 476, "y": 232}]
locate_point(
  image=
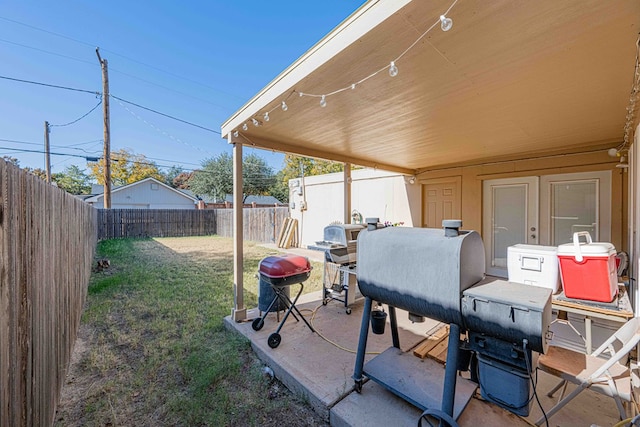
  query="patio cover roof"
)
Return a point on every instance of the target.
[{"x": 511, "y": 79}]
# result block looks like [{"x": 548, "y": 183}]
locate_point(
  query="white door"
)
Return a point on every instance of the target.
[{"x": 510, "y": 216}]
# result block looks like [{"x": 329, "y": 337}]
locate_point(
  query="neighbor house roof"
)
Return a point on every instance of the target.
[{"x": 509, "y": 80}]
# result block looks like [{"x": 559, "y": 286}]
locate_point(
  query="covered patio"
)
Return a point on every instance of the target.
[{"x": 468, "y": 89}]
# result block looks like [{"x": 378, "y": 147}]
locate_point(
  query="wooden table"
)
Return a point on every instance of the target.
[{"x": 621, "y": 314}]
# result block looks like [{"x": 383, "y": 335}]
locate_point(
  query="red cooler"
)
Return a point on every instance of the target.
[{"x": 588, "y": 270}]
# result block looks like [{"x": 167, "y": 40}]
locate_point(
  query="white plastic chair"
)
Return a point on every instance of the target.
[{"x": 610, "y": 377}]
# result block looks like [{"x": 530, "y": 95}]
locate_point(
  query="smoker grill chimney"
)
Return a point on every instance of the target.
[
  {"x": 372, "y": 223},
  {"x": 451, "y": 227}
]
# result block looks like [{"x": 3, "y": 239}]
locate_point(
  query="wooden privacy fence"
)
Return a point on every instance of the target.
[
  {"x": 47, "y": 244},
  {"x": 260, "y": 224}
]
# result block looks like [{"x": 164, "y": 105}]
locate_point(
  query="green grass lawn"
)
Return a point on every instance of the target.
[{"x": 155, "y": 349}]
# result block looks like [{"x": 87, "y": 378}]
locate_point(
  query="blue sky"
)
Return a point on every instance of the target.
[{"x": 198, "y": 61}]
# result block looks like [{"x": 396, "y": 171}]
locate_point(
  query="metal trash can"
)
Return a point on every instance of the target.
[{"x": 266, "y": 295}]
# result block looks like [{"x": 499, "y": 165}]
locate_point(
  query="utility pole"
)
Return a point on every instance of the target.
[
  {"x": 107, "y": 131},
  {"x": 47, "y": 153}
]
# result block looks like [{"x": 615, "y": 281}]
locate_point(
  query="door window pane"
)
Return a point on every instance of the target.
[
  {"x": 509, "y": 221},
  {"x": 574, "y": 207}
]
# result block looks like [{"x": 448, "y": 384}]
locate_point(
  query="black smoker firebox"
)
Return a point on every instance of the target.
[{"x": 439, "y": 273}]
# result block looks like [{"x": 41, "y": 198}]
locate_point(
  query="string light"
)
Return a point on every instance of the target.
[
  {"x": 393, "y": 70},
  {"x": 445, "y": 23},
  {"x": 631, "y": 108},
  {"x": 255, "y": 122},
  {"x": 236, "y": 133}
]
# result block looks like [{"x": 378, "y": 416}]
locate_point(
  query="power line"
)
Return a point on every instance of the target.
[
  {"x": 70, "y": 146},
  {"x": 164, "y": 114},
  {"x": 112, "y": 96},
  {"x": 153, "y": 67},
  {"x": 51, "y": 85},
  {"x": 81, "y": 117},
  {"x": 48, "y": 52},
  {"x": 21, "y": 150}
]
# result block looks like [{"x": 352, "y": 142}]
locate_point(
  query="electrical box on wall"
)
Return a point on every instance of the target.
[{"x": 303, "y": 205}]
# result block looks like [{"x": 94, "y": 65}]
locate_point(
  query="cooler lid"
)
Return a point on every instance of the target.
[
  {"x": 284, "y": 266},
  {"x": 587, "y": 249},
  {"x": 515, "y": 294},
  {"x": 579, "y": 249}
]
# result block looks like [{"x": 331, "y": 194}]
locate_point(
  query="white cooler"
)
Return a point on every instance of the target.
[{"x": 534, "y": 265}]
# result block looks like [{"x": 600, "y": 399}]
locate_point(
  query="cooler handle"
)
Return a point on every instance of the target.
[{"x": 576, "y": 243}]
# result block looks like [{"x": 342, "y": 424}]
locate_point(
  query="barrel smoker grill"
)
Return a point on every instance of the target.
[{"x": 440, "y": 274}]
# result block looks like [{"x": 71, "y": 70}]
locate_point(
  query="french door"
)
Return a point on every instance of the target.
[{"x": 510, "y": 217}]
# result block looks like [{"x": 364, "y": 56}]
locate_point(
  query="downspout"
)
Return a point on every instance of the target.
[{"x": 239, "y": 312}]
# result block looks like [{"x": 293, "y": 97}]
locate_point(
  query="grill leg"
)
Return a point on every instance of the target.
[
  {"x": 292, "y": 306},
  {"x": 451, "y": 370},
  {"x": 394, "y": 327},
  {"x": 362, "y": 344}
]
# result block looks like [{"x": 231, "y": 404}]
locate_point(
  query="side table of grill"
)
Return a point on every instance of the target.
[{"x": 281, "y": 272}]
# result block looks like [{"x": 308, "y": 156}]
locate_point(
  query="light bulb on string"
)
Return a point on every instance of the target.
[
  {"x": 235, "y": 133},
  {"x": 245, "y": 127},
  {"x": 353, "y": 86},
  {"x": 393, "y": 70},
  {"x": 445, "y": 23},
  {"x": 255, "y": 122},
  {"x": 284, "y": 106},
  {"x": 266, "y": 116},
  {"x": 323, "y": 101}
]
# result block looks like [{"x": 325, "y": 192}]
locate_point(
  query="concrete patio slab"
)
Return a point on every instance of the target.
[{"x": 320, "y": 372}]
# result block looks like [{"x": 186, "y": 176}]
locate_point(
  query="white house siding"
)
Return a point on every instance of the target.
[
  {"x": 374, "y": 193},
  {"x": 146, "y": 195}
]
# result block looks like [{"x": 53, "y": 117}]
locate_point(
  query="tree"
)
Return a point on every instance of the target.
[
  {"x": 39, "y": 172},
  {"x": 126, "y": 168},
  {"x": 14, "y": 161},
  {"x": 73, "y": 180},
  {"x": 280, "y": 188},
  {"x": 182, "y": 181},
  {"x": 297, "y": 166},
  {"x": 215, "y": 179},
  {"x": 171, "y": 175}
]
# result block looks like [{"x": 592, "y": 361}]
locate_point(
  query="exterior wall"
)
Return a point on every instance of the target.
[
  {"x": 142, "y": 196},
  {"x": 391, "y": 197},
  {"x": 473, "y": 176},
  {"x": 317, "y": 201}
]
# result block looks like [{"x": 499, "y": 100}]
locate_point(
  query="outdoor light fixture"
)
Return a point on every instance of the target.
[
  {"x": 266, "y": 116},
  {"x": 284, "y": 106},
  {"x": 323, "y": 102},
  {"x": 245, "y": 127},
  {"x": 255, "y": 122},
  {"x": 235, "y": 133},
  {"x": 445, "y": 23},
  {"x": 393, "y": 70}
]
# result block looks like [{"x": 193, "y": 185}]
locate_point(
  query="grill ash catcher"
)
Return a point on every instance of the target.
[{"x": 440, "y": 274}]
